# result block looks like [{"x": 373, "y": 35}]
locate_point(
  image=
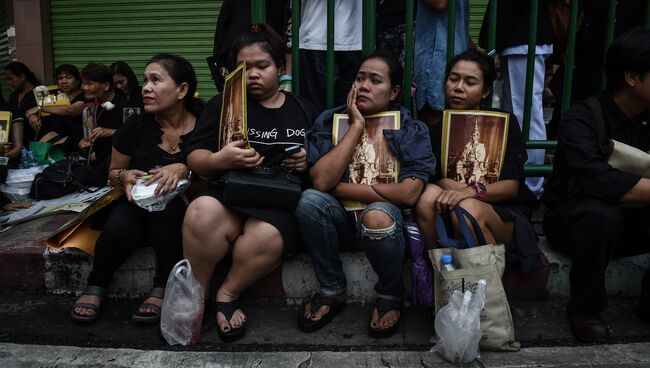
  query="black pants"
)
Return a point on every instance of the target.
[
  {"x": 592, "y": 232},
  {"x": 128, "y": 227},
  {"x": 313, "y": 75}
]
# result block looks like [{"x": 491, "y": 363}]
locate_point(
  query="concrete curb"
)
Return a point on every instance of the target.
[{"x": 35, "y": 269}]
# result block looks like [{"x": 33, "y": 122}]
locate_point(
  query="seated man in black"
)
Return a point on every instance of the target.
[{"x": 597, "y": 212}]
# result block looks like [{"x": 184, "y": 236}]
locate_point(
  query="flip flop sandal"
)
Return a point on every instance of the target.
[
  {"x": 90, "y": 290},
  {"x": 384, "y": 306},
  {"x": 150, "y": 317},
  {"x": 228, "y": 309},
  {"x": 317, "y": 301}
]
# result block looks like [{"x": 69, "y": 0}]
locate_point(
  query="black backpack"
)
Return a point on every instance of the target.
[{"x": 59, "y": 179}]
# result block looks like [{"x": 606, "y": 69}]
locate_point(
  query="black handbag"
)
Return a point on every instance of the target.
[
  {"x": 262, "y": 187},
  {"x": 59, "y": 179}
]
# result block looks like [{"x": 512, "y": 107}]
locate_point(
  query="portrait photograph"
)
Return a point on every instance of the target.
[
  {"x": 232, "y": 122},
  {"x": 372, "y": 161},
  {"x": 473, "y": 145},
  {"x": 4, "y": 130}
]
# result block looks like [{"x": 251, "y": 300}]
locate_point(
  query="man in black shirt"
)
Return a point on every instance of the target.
[{"x": 597, "y": 212}]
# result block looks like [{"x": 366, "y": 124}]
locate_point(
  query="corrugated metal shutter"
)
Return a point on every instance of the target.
[
  {"x": 4, "y": 46},
  {"x": 476, "y": 12},
  {"x": 133, "y": 31}
]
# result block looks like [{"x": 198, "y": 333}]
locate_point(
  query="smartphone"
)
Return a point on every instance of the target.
[
  {"x": 291, "y": 150},
  {"x": 214, "y": 71}
]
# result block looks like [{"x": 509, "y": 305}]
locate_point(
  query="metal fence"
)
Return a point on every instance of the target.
[{"x": 369, "y": 30}]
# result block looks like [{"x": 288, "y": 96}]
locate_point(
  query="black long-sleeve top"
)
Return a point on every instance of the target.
[{"x": 580, "y": 167}]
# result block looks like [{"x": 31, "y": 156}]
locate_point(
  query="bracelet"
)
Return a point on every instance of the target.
[
  {"x": 117, "y": 176},
  {"x": 479, "y": 188}
]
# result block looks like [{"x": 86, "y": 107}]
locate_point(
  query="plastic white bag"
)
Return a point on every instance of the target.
[
  {"x": 182, "y": 311},
  {"x": 458, "y": 325},
  {"x": 144, "y": 196}
]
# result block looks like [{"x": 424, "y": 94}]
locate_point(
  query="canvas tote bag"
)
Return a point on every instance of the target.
[{"x": 472, "y": 264}]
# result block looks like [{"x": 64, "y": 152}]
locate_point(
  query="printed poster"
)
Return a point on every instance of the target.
[
  {"x": 232, "y": 122},
  {"x": 372, "y": 161},
  {"x": 5, "y": 125},
  {"x": 54, "y": 97},
  {"x": 473, "y": 145}
]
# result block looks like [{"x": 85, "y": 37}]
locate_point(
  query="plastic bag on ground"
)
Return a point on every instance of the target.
[
  {"x": 182, "y": 311},
  {"x": 458, "y": 325}
]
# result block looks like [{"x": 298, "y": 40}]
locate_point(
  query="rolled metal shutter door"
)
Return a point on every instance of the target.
[{"x": 134, "y": 31}]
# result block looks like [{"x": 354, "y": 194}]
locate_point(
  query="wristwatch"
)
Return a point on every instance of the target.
[{"x": 479, "y": 188}]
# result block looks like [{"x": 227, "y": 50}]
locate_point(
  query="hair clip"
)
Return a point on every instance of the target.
[{"x": 256, "y": 28}]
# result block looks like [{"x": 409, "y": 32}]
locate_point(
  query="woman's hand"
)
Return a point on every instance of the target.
[
  {"x": 167, "y": 177},
  {"x": 32, "y": 111},
  {"x": 128, "y": 179},
  {"x": 13, "y": 207},
  {"x": 449, "y": 199},
  {"x": 353, "y": 110},
  {"x": 297, "y": 161},
  {"x": 235, "y": 156},
  {"x": 100, "y": 132},
  {"x": 34, "y": 122}
]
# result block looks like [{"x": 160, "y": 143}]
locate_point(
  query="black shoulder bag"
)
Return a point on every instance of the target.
[{"x": 264, "y": 187}]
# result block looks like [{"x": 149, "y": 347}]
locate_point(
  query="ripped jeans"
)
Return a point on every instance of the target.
[{"x": 324, "y": 226}]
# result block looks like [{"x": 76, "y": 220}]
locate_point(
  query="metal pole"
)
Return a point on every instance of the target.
[
  {"x": 295, "y": 47},
  {"x": 609, "y": 36},
  {"x": 408, "y": 56},
  {"x": 570, "y": 56},
  {"x": 258, "y": 11},
  {"x": 330, "y": 54},
  {"x": 492, "y": 29},
  {"x": 369, "y": 26},
  {"x": 530, "y": 68},
  {"x": 451, "y": 28}
]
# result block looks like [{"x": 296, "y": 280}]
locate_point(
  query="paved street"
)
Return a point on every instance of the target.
[{"x": 35, "y": 331}]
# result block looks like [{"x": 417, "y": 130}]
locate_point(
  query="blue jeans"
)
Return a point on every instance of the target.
[{"x": 324, "y": 226}]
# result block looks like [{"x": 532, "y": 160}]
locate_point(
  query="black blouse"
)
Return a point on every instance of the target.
[
  {"x": 140, "y": 138},
  {"x": 18, "y": 109}
]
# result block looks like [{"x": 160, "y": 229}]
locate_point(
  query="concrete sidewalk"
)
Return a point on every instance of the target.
[{"x": 19, "y": 356}]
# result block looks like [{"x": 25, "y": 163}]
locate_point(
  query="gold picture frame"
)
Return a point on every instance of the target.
[
  {"x": 372, "y": 161},
  {"x": 473, "y": 145},
  {"x": 232, "y": 121}
]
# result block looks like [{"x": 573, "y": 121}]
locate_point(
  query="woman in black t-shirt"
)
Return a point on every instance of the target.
[
  {"x": 502, "y": 208},
  {"x": 257, "y": 238},
  {"x": 22, "y": 81},
  {"x": 150, "y": 144},
  {"x": 65, "y": 120}
]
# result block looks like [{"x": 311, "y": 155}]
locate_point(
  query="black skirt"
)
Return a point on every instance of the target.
[{"x": 284, "y": 221}]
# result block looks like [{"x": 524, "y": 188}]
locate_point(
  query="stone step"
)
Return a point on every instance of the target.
[{"x": 28, "y": 266}]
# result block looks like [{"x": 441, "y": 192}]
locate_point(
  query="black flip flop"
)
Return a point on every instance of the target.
[
  {"x": 228, "y": 309},
  {"x": 317, "y": 301},
  {"x": 384, "y": 306},
  {"x": 150, "y": 317},
  {"x": 90, "y": 290}
]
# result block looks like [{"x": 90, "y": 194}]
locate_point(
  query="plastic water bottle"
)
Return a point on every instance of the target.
[
  {"x": 447, "y": 264},
  {"x": 31, "y": 161},
  {"x": 23, "y": 159}
]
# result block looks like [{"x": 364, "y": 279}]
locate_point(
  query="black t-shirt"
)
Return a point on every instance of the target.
[
  {"x": 111, "y": 119},
  {"x": 270, "y": 130},
  {"x": 140, "y": 138},
  {"x": 512, "y": 169},
  {"x": 18, "y": 109}
]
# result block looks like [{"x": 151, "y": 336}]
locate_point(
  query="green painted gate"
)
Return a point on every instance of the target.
[{"x": 133, "y": 31}]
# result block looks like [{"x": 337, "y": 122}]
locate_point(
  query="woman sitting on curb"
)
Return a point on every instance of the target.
[
  {"x": 151, "y": 143},
  {"x": 502, "y": 208},
  {"x": 257, "y": 239},
  {"x": 324, "y": 222}
]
